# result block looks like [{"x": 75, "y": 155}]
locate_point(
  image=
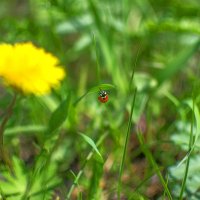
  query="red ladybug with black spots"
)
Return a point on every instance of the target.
[{"x": 103, "y": 96}]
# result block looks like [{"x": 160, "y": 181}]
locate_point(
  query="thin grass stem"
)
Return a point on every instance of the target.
[
  {"x": 191, "y": 142},
  {"x": 125, "y": 146},
  {"x": 133, "y": 71},
  {"x": 101, "y": 139}
]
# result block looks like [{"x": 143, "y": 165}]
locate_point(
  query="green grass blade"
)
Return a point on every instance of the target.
[
  {"x": 191, "y": 144},
  {"x": 151, "y": 160},
  {"x": 59, "y": 115},
  {"x": 176, "y": 64},
  {"x": 92, "y": 144},
  {"x": 101, "y": 139},
  {"x": 125, "y": 146},
  {"x": 95, "y": 89},
  {"x": 195, "y": 110},
  {"x": 28, "y": 129},
  {"x": 134, "y": 66},
  {"x": 94, "y": 188}
]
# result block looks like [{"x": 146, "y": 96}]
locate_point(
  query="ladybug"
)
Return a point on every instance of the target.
[{"x": 103, "y": 96}]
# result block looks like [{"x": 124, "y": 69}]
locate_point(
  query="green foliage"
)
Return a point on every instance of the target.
[
  {"x": 116, "y": 46},
  {"x": 185, "y": 169},
  {"x": 59, "y": 115},
  {"x": 14, "y": 186},
  {"x": 193, "y": 181}
]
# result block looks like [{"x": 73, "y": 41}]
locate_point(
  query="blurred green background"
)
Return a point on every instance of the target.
[{"x": 145, "y": 44}]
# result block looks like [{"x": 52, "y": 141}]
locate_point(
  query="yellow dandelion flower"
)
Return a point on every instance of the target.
[{"x": 29, "y": 69}]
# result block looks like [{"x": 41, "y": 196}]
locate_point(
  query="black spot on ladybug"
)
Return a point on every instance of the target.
[{"x": 103, "y": 96}]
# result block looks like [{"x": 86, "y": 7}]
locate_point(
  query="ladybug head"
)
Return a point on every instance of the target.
[{"x": 102, "y": 93}]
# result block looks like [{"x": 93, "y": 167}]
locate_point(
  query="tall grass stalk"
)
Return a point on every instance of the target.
[
  {"x": 125, "y": 146},
  {"x": 133, "y": 70},
  {"x": 191, "y": 144},
  {"x": 129, "y": 126}
]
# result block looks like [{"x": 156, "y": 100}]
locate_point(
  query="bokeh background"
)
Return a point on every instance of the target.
[{"x": 107, "y": 42}]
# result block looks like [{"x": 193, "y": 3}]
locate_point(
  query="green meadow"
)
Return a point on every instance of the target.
[{"x": 142, "y": 143}]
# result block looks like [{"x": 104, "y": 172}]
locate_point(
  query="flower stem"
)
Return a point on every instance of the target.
[{"x": 3, "y": 152}]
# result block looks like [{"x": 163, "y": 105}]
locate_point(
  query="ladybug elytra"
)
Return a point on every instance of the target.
[{"x": 103, "y": 96}]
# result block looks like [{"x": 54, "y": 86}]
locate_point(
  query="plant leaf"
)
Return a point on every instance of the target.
[
  {"x": 59, "y": 115},
  {"x": 92, "y": 144}
]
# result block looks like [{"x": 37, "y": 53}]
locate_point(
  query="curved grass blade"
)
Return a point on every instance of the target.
[
  {"x": 95, "y": 90},
  {"x": 92, "y": 144}
]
